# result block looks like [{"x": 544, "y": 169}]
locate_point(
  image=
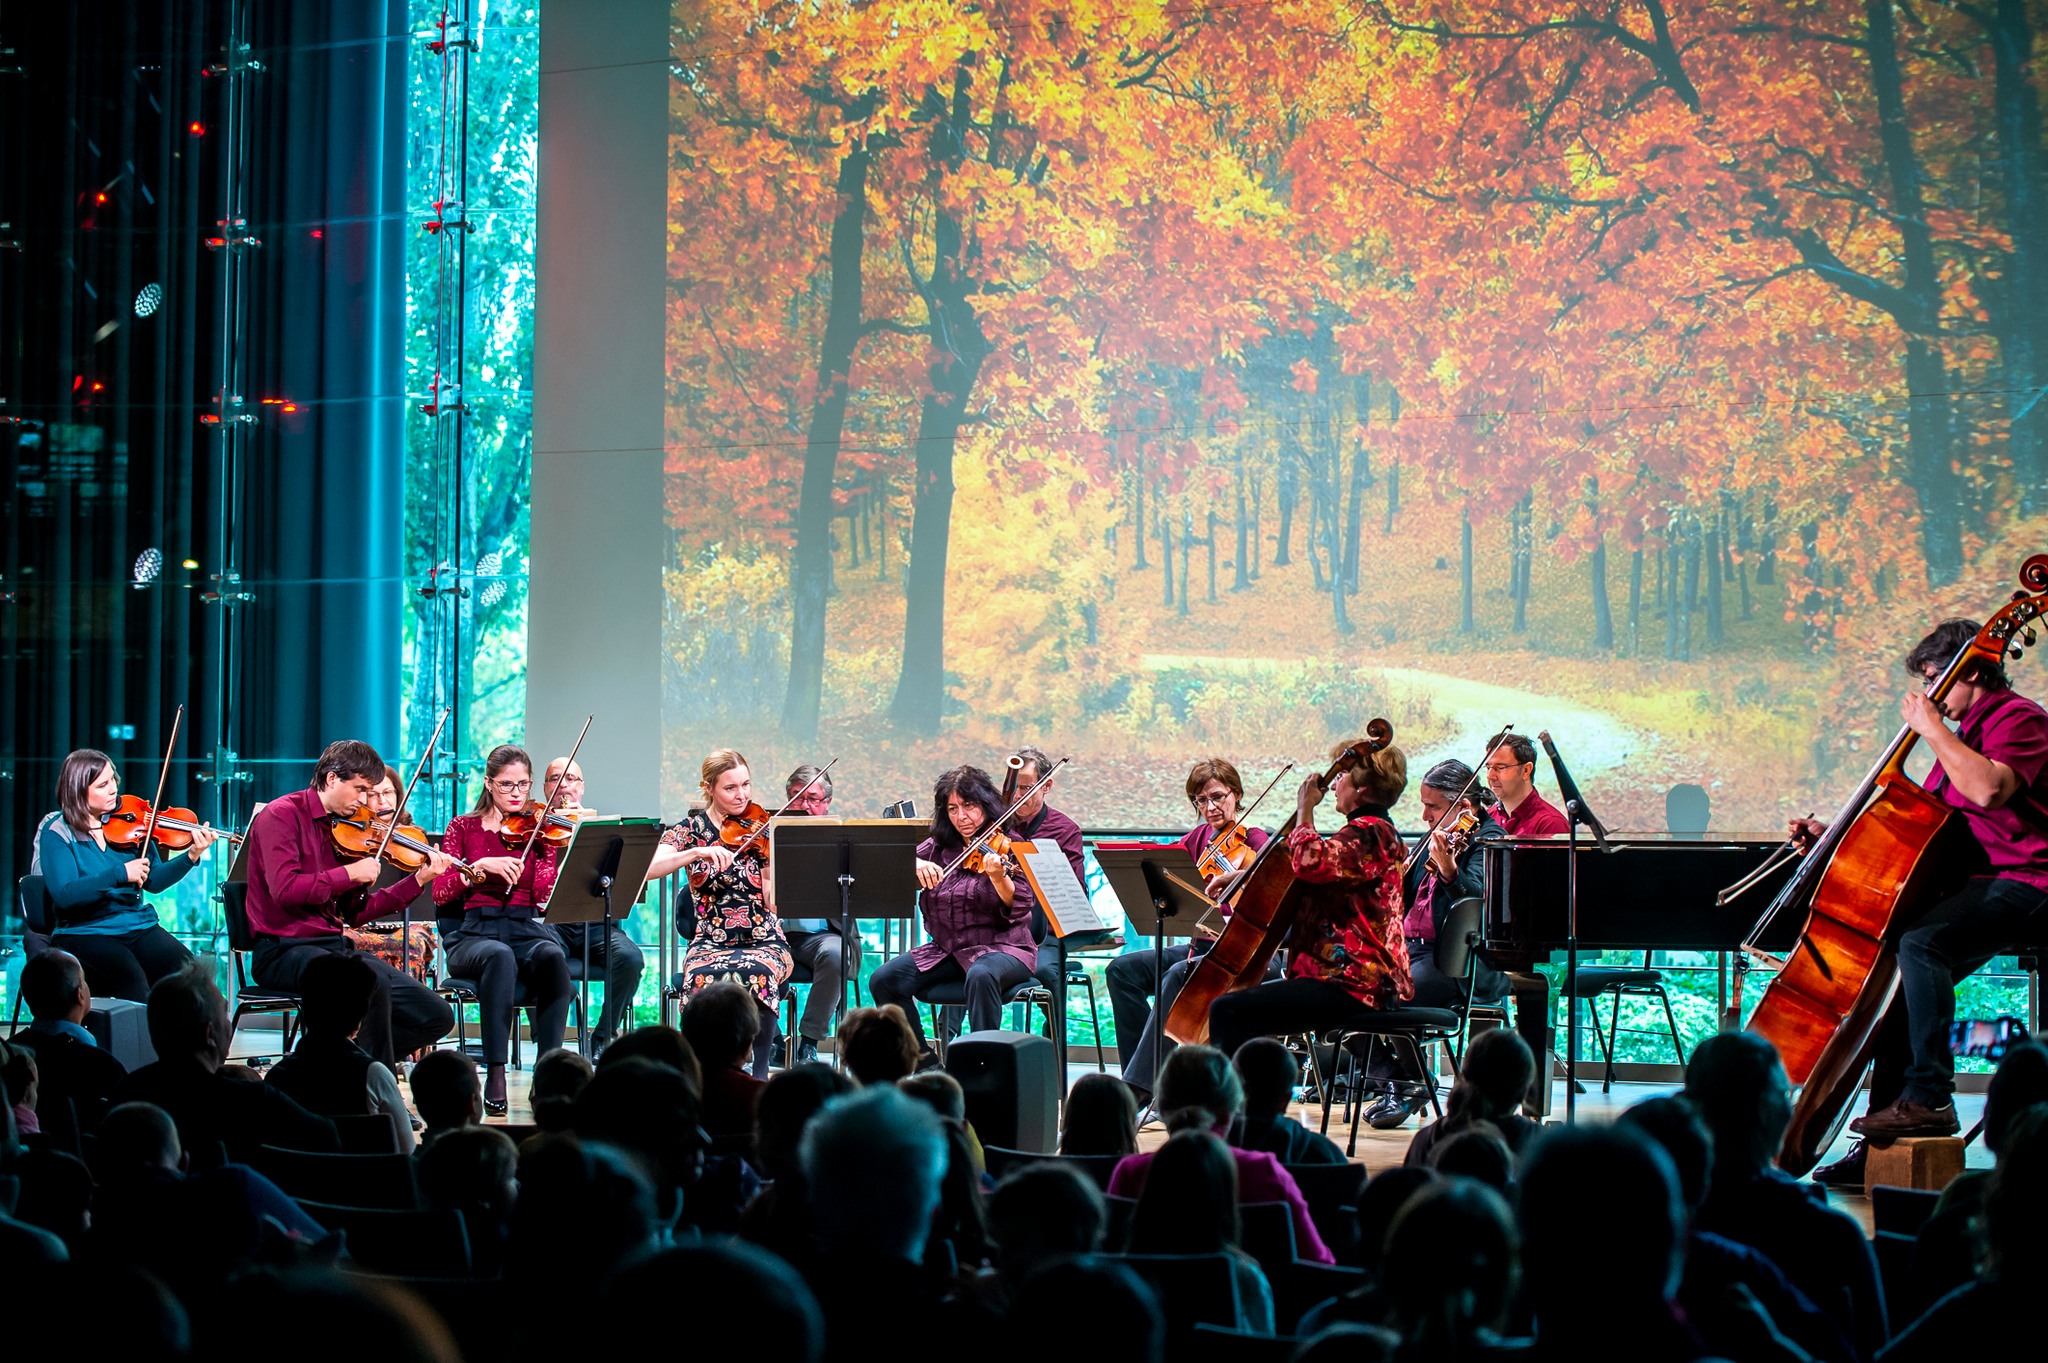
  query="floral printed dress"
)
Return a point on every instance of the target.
[{"x": 739, "y": 938}]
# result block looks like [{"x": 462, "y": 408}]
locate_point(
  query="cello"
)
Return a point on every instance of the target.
[
  {"x": 1262, "y": 910},
  {"x": 1861, "y": 885}
]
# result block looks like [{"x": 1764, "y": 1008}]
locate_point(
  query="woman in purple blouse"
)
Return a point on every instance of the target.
[{"x": 980, "y": 921}]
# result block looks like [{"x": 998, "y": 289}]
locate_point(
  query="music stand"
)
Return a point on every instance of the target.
[
  {"x": 602, "y": 853},
  {"x": 816, "y": 862},
  {"x": 1156, "y": 883}
]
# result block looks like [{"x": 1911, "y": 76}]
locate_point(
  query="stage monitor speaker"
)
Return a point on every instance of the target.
[
  {"x": 1012, "y": 1084},
  {"x": 121, "y": 1026}
]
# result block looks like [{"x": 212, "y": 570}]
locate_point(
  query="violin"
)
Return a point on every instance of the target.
[
  {"x": 557, "y": 826},
  {"x": 358, "y": 834},
  {"x": 172, "y": 829},
  {"x": 1458, "y": 832},
  {"x": 748, "y": 829},
  {"x": 1230, "y": 852},
  {"x": 995, "y": 851}
]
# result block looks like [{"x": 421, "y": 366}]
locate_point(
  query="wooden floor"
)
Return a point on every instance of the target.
[{"x": 1384, "y": 1149}]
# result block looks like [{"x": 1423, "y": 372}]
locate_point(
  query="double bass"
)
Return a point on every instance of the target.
[
  {"x": 1861, "y": 884},
  {"x": 1262, "y": 911}
]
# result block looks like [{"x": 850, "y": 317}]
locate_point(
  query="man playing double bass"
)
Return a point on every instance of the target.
[{"x": 1993, "y": 770}]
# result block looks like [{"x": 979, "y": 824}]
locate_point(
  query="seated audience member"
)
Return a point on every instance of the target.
[
  {"x": 585, "y": 1211},
  {"x": 720, "y": 1023},
  {"x": 1347, "y": 1343},
  {"x": 779, "y": 1217},
  {"x": 217, "y": 1106},
  {"x": 448, "y": 1094},
  {"x": 1452, "y": 1264},
  {"x": 29, "y": 1247},
  {"x": 69, "y": 1062},
  {"x": 350, "y": 1313},
  {"x": 2015, "y": 1255},
  {"x": 327, "y": 1072},
  {"x": 1201, "y": 1078},
  {"x": 1040, "y": 1213},
  {"x": 877, "y": 1045},
  {"x": 1125, "y": 1321},
  {"x": 19, "y": 1087},
  {"x": 191, "y": 1230},
  {"x": 783, "y": 1320},
  {"x": 475, "y": 1171},
  {"x": 1740, "y": 1302},
  {"x": 56, "y": 1194},
  {"x": 1101, "y": 1117},
  {"x": 652, "y": 1111},
  {"x": 133, "y": 1314},
  {"x": 663, "y": 1045},
  {"x": 1945, "y": 1256},
  {"x": 1735, "y": 1083},
  {"x": 1498, "y": 1071},
  {"x": 1380, "y": 1202},
  {"x": 943, "y": 1094},
  {"x": 1632, "y": 1249},
  {"x": 1477, "y": 1152},
  {"x": 960, "y": 1234},
  {"x": 1189, "y": 1206},
  {"x": 559, "y": 1078},
  {"x": 1269, "y": 1072},
  {"x": 873, "y": 1165}
]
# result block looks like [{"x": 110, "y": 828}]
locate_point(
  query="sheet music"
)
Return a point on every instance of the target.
[{"x": 1052, "y": 878}]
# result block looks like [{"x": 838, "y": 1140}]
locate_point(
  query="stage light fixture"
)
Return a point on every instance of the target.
[
  {"x": 148, "y": 564},
  {"x": 149, "y": 299}
]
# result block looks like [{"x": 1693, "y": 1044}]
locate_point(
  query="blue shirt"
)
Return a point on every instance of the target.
[
  {"x": 89, "y": 886},
  {"x": 807, "y": 925},
  {"x": 60, "y": 1027}
]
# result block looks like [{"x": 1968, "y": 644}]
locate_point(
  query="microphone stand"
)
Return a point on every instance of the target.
[{"x": 1576, "y": 812}]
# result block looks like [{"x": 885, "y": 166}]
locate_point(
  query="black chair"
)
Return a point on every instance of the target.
[
  {"x": 1116, "y": 1232},
  {"x": 1305, "y": 1286},
  {"x": 372, "y": 1181},
  {"x": 1622, "y": 982},
  {"x": 1213, "y": 1344},
  {"x": 1331, "y": 1191},
  {"x": 1077, "y": 977},
  {"x": 459, "y": 991},
  {"x": 1266, "y": 1232},
  {"x": 251, "y": 997},
  {"x": 367, "y": 1133},
  {"x": 1044, "y": 990},
  {"x": 38, "y": 925},
  {"x": 1194, "y": 1289},
  {"x": 1411, "y": 1029},
  {"x": 433, "y": 1242},
  {"x": 1096, "y": 1168},
  {"x": 1901, "y": 1210}
]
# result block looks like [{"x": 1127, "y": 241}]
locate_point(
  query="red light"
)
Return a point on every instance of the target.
[
  {"x": 196, "y": 128},
  {"x": 98, "y": 387},
  {"x": 291, "y": 406},
  {"x": 319, "y": 235},
  {"x": 99, "y": 198}
]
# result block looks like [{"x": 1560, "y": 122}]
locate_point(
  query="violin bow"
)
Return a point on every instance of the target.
[
  {"x": 981, "y": 839},
  {"x": 1422, "y": 844},
  {"x": 405, "y": 797},
  {"x": 787, "y": 805},
  {"x": 549, "y": 808},
  {"x": 162, "y": 778},
  {"x": 1246, "y": 813}
]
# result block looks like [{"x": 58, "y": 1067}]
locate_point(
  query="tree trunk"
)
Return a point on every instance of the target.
[
  {"x": 1523, "y": 531},
  {"x": 1240, "y": 577},
  {"x": 1668, "y": 572},
  {"x": 1767, "y": 545},
  {"x": 1393, "y": 465},
  {"x": 1165, "y": 550},
  {"x": 811, "y": 565},
  {"x": 1258, "y": 541},
  {"x": 1187, "y": 549},
  {"x": 1635, "y": 603},
  {"x": 1290, "y": 493},
  {"x": 1138, "y": 509},
  {"x": 1713, "y": 571},
  {"x": 2022, "y": 315},
  {"x": 1209, "y": 543},
  {"x": 1603, "y": 613},
  {"x": 1465, "y": 570},
  {"x": 1361, "y": 479}
]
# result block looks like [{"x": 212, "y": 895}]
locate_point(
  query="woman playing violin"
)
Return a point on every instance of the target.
[
  {"x": 1345, "y": 951},
  {"x": 1216, "y": 791},
  {"x": 979, "y": 917},
  {"x": 96, "y": 890},
  {"x": 502, "y": 943},
  {"x": 739, "y": 938}
]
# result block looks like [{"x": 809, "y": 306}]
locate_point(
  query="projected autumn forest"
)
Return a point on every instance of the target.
[{"x": 1150, "y": 380}]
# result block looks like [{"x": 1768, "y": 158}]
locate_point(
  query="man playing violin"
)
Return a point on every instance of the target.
[
  {"x": 1993, "y": 770},
  {"x": 1511, "y": 773},
  {"x": 816, "y": 942},
  {"x": 611, "y": 954},
  {"x": 1216, "y": 791},
  {"x": 302, "y": 894}
]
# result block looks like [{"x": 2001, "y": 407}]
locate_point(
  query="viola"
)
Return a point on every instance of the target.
[
  {"x": 557, "y": 826},
  {"x": 361, "y": 833},
  {"x": 1263, "y": 909},
  {"x": 172, "y": 829},
  {"x": 994, "y": 852},
  {"x": 1230, "y": 852}
]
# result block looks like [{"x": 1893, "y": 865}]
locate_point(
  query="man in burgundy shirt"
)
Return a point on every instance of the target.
[
  {"x": 302, "y": 894},
  {"x": 1511, "y": 775},
  {"x": 1993, "y": 770}
]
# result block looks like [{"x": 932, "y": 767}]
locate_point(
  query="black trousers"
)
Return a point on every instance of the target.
[
  {"x": 1129, "y": 983},
  {"x": 992, "y": 976},
  {"x": 1952, "y": 941},
  {"x": 614, "y": 959},
  {"x": 1278, "y": 1009},
  {"x": 405, "y": 1015},
  {"x": 124, "y": 965},
  {"x": 513, "y": 961}
]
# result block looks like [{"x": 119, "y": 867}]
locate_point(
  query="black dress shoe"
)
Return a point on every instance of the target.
[
  {"x": 1907, "y": 1118},
  {"x": 1846, "y": 1172},
  {"x": 927, "y": 1060},
  {"x": 1391, "y": 1112},
  {"x": 807, "y": 1052}
]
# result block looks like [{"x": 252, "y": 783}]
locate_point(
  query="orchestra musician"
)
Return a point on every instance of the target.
[
  {"x": 1993, "y": 884},
  {"x": 738, "y": 937},
  {"x": 1511, "y": 774},
  {"x": 504, "y": 944},
  {"x": 979, "y": 920},
  {"x": 815, "y": 942},
  {"x": 1035, "y": 820},
  {"x": 1346, "y": 952},
  {"x": 1451, "y": 870},
  {"x": 613, "y": 956},
  {"x": 96, "y": 890},
  {"x": 410, "y": 947},
  {"x": 1216, "y": 791},
  {"x": 302, "y": 894}
]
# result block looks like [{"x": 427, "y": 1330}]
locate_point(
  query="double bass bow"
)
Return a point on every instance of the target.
[
  {"x": 1263, "y": 907},
  {"x": 1860, "y": 884}
]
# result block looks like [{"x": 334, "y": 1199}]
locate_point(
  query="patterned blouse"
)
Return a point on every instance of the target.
[
  {"x": 468, "y": 840},
  {"x": 739, "y": 938},
  {"x": 968, "y": 919},
  {"x": 1348, "y": 930}
]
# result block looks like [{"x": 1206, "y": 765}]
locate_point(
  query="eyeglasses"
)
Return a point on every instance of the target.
[
  {"x": 511, "y": 787},
  {"x": 1507, "y": 766},
  {"x": 1211, "y": 801}
]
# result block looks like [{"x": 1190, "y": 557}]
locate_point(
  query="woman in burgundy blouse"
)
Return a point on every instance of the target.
[
  {"x": 502, "y": 943},
  {"x": 980, "y": 921}
]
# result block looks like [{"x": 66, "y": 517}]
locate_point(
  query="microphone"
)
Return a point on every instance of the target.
[{"x": 1575, "y": 803}]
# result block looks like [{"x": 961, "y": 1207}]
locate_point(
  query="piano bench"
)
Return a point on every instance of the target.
[{"x": 1926, "y": 1162}]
